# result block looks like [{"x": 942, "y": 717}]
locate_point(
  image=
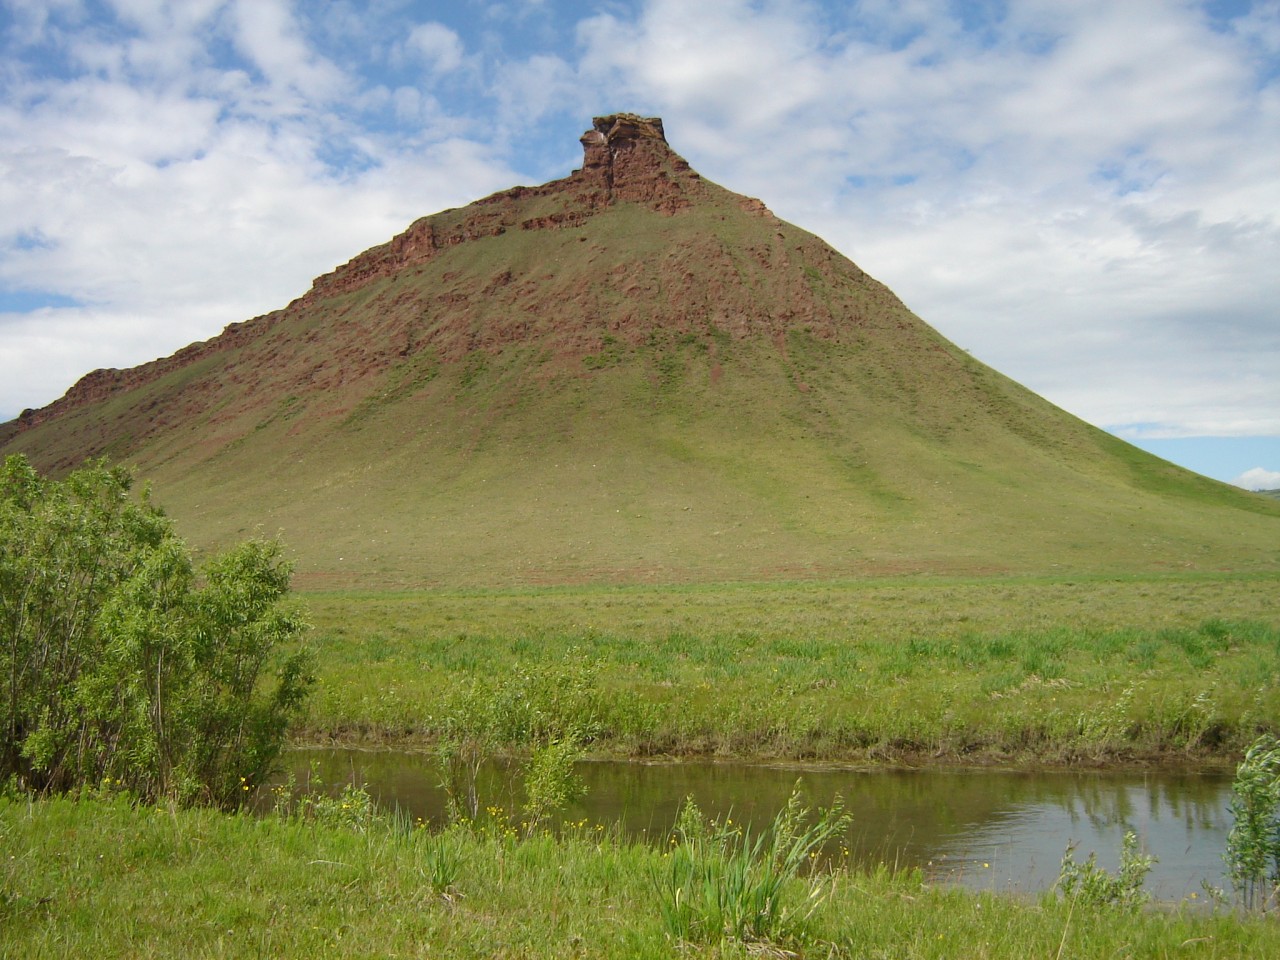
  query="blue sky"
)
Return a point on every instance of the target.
[{"x": 1085, "y": 195}]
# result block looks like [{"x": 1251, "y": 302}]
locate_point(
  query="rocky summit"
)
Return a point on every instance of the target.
[{"x": 628, "y": 374}]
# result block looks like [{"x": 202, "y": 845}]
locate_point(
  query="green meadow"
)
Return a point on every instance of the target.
[
  {"x": 1157, "y": 667},
  {"x": 1140, "y": 668},
  {"x": 103, "y": 878}
]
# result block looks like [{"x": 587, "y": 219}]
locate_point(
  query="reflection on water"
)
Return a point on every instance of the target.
[{"x": 986, "y": 829}]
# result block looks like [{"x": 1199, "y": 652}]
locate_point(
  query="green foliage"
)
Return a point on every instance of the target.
[
  {"x": 720, "y": 883},
  {"x": 443, "y": 860},
  {"x": 855, "y": 670},
  {"x": 550, "y": 783},
  {"x": 1088, "y": 883},
  {"x": 1253, "y": 845},
  {"x": 553, "y": 709},
  {"x": 121, "y": 663},
  {"x": 353, "y": 808}
]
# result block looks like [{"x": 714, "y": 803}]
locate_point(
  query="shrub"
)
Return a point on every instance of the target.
[
  {"x": 553, "y": 710},
  {"x": 1090, "y": 884},
  {"x": 121, "y": 662},
  {"x": 1253, "y": 845},
  {"x": 550, "y": 782}
]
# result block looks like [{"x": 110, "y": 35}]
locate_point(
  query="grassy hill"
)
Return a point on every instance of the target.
[{"x": 629, "y": 375}]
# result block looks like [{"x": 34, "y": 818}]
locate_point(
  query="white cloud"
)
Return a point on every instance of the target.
[
  {"x": 708, "y": 62},
  {"x": 72, "y": 342},
  {"x": 1260, "y": 27},
  {"x": 171, "y": 207},
  {"x": 243, "y": 226},
  {"x": 268, "y": 34},
  {"x": 527, "y": 90},
  {"x": 167, "y": 256},
  {"x": 439, "y": 46},
  {"x": 164, "y": 16},
  {"x": 1258, "y": 479},
  {"x": 30, "y": 18}
]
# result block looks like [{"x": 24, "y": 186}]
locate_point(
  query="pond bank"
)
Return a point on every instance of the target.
[
  {"x": 1222, "y": 757},
  {"x": 1050, "y": 695}
]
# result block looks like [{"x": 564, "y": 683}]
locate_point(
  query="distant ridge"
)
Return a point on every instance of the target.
[{"x": 628, "y": 374}]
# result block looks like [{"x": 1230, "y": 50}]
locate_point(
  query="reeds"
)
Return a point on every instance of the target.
[{"x": 720, "y": 882}]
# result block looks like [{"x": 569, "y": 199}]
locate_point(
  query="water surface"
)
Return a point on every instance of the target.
[{"x": 986, "y": 829}]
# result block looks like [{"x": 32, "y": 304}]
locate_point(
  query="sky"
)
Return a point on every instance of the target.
[{"x": 1084, "y": 195}]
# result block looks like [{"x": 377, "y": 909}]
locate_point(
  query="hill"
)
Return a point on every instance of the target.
[{"x": 630, "y": 374}]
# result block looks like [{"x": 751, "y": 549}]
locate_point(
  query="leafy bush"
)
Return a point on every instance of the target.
[
  {"x": 550, "y": 783},
  {"x": 554, "y": 710},
  {"x": 1090, "y": 884},
  {"x": 121, "y": 663},
  {"x": 1253, "y": 845}
]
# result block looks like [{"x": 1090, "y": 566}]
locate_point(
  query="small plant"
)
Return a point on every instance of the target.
[
  {"x": 720, "y": 883},
  {"x": 551, "y": 709},
  {"x": 1253, "y": 845},
  {"x": 1109, "y": 725},
  {"x": 353, "y": 808},
  {"x": 550, "y": 783},
  {"x": 1090, "y": 884},
  {"x": 442, "y": 862}
]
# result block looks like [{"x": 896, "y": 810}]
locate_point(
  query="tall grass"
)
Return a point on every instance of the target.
[
  {"x": 1062, "y": 670},
  {"x": 720, "y": 883}
]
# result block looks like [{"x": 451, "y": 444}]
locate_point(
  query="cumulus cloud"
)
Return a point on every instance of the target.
[
  {"x": 154, "y": 209},
  {"x": 266, "y": 32},
  {"x": 1258, "y": 479},
  {"x": 529, "y": 89}
]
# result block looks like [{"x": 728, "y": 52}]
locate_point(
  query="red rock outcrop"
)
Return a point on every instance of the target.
[{"x": 626, "y": 159}]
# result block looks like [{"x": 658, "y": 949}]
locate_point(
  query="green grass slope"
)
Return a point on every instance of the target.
[{"x": 627, "y": 392}]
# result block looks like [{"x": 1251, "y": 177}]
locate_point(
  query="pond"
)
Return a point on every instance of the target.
[{"x": 990, "y": 829}]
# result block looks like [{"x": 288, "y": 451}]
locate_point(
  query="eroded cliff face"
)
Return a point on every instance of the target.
[
  {"x": 627, "y": 158},
  {"x": 100, "y": 385}
]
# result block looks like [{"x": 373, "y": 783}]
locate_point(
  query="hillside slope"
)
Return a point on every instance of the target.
[{"x": 628, "y": 374}]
